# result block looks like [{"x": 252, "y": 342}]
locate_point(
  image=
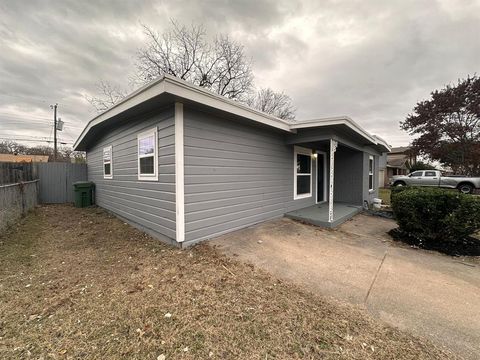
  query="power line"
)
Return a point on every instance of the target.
[
  {"x": 43, "y": 121},
  {"x": 62, "y": 142},
  {"x": 23, "y": 118},
  {"x": 24, "y": 136},
  {"x": 37, "y": 99},
  {"x": 25, "y": 97}
]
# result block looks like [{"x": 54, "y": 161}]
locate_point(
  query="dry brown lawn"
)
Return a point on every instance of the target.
[{"x": 79, "y": 283}]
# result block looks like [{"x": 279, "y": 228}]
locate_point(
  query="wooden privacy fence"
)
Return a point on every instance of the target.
[
  {"x": 56, "y": 181},
  {"x": 12, "y": 173}
]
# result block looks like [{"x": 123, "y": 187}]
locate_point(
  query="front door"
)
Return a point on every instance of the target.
[{"x": 321, "y": 177}]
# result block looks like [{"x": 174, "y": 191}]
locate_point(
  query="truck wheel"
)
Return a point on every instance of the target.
[
  {"x": 399, "y": 183},
  {"x": 465, "y": 188}
]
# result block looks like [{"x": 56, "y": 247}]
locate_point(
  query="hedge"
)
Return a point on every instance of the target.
[{"x": 435, "y": 216}]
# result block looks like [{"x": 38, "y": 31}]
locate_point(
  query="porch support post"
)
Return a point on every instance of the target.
[{"x": 333, "y": 148}]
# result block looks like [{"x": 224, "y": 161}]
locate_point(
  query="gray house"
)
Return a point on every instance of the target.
[{"x": 184, "y": 164}]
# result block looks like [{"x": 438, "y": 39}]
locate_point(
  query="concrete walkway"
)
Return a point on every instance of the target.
[{"x": 426, "y": 293}]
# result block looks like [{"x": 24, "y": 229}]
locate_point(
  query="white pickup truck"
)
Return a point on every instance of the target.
[{"x": 434, "y": 178}]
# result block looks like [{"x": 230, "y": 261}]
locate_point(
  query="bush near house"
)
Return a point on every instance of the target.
[{"x": 437, "y": 219}]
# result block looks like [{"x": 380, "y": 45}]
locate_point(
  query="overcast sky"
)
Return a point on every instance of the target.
[{"x": 370, "y": 60}]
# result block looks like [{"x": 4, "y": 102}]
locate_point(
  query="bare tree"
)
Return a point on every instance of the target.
[
  {"x": 220, "y": 66},
  {"x": 12, "y": 147},
  {"x": 108, "y": 95},
  {"x": 64, "y": 153},
  {"x": 278, "y": 104}
]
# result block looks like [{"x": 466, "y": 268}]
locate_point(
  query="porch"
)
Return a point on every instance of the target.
[{"x": 318, "y": 214}]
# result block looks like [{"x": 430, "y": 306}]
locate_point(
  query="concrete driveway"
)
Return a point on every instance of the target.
[{"x": 426, "y": 293}]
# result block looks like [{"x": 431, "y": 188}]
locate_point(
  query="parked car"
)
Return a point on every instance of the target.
[{"x": 434, "y": 178}]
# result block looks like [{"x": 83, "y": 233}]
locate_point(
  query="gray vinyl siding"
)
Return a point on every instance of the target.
[
  {"x": 348, "y": 181},
  {"x": 148, "y": 204},
  {"x": 235, "y": 175}
]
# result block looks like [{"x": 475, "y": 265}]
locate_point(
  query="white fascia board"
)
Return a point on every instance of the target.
[
  {"x": 185, "y": 90},
  {"x": 143, "y": 94},
  {"x": 382, "y": 142},
  {"x": 340, "y": 120},
  {"x": 181, "y": 88}
]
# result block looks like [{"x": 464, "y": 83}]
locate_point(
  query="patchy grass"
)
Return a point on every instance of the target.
[
  {"x": 79, "y": 283},
  {"x": 384, "y": 194}
]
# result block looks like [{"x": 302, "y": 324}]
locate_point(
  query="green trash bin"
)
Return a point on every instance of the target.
[{"x": 84, "y": 193}]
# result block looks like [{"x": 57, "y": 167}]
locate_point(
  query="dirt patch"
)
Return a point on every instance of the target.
[{"x": 79, "y": 283}]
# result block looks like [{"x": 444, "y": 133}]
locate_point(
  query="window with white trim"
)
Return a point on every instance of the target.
[
  {"x": 302, "y": 173},
  {"x": 371, "y": 170},
  {"x": 147, "y": 155},
  {"x": 107, "y": 163}
]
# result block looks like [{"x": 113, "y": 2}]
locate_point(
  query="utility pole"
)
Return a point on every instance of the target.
[{"x": 54, "y": 107}]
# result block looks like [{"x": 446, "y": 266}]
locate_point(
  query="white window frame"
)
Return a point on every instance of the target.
[
  {"x": 142, "y": 135},
  {"x": 371, "y": 173},
  {"x": 107, "y": 176},
  {"x": 302, "y": 151}
]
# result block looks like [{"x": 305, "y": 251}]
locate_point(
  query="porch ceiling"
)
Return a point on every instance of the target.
[{"x": 339, "y": 132}]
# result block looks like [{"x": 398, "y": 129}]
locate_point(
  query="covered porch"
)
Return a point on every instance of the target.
[
  {"x": 345, "y": 161},
  {"x": 318, "y": 214}
]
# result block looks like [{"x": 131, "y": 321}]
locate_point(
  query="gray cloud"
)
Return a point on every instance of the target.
[{"x": 370, "y": 60}]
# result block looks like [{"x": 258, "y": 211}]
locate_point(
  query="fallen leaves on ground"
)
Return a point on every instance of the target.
[{"x": 79, "y": 283}]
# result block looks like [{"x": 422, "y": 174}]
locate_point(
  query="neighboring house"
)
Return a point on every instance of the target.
[
  {"x": 398, "y": 162},
  {"x": 185, "y": 165},
  {"x": 23, "y": 158},
  {"x": 382, "y": 170}
]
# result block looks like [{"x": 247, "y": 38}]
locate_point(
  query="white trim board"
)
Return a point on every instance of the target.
[
  {"x": 110, "y": 148},
  {"x": 372, "y": 174},
  {"x": 303, "y": 151},
  {"x": 141, "y": 135},
  {"x": 168, "y": 84},
  {"x": 179, "y": 174}
]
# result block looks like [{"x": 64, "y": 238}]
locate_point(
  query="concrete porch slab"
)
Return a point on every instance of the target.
[{"x": 318, "y": 214}]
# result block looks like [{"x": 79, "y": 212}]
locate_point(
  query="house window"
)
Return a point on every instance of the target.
[
  {"x": 147, "y": 155},
  {"x": 371, "y": 170},
  {"x": 107, "y": 163},
  {"x": 302, "y": 173}
]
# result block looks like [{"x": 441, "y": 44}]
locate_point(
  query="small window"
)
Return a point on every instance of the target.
[
  {"x": 371, "y": 170},
  {"x": 430, "y": 173},
  {"x": 147, "y": 155},
  {"x": 302, "y": 173},
  {"x": 107, "y": 163},
  {"x": 416, "y": 174}
]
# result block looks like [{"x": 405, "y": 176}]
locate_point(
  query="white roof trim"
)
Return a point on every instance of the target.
[
  {"x": 172, "y": 85},
  {"x": 338, "y": 120},
  {"x": 181, "y": 88},
  {"x": 381, "y": 141},
  {"x": 186, "y": 90}
]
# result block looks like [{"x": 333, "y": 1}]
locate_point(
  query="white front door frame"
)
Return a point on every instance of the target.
[{"x": 324, "y": 155}]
